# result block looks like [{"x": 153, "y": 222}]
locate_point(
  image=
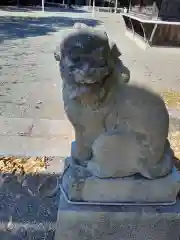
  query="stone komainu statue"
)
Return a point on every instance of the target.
[{"x": 120, "y": 129}]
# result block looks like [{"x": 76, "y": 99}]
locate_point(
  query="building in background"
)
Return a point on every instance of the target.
[{"x": 164, "y": 9}]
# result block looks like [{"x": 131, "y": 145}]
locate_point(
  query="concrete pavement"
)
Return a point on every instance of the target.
[
  {"x": 41, "y": 137},
  {"x": 156, "y": 67}
]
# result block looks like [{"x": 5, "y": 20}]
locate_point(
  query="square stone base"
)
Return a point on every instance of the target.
[
  {"x": 78, "y": 186},
  {"x": 76, "y": 222}
]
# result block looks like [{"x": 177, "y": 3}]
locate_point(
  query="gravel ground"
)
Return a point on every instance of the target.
[
  {"x": 30, "y": 86},
  {"x": 26, "y": 213}
]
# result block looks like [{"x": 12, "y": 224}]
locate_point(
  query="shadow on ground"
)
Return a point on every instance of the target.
[
  {"x": 28, "y": 214},
  {"x": 25, "y": 212},
  {"x": 14, "y": 27}
]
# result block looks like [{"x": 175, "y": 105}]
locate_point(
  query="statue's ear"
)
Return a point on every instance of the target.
[
  {"x": 115, "y": 52},
  {"x": 57, "y": 54}
]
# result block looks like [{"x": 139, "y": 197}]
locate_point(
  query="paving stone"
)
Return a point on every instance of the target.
[
  {"x": 15, "y": 126},
  {"x": 44, "y": 127},
  {"x": 21, "y": 145}
]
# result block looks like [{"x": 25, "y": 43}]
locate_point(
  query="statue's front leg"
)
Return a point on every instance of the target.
[{"x": 80, "y": 151}]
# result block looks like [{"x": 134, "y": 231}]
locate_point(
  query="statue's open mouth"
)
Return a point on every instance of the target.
[{"x": 87, "y": 88}]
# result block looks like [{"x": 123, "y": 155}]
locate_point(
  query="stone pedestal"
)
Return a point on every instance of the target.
[
  {"x": 78, "y": 186},
  {"x": 77, "y": 222},
  {"x": 122, "y": 157}
]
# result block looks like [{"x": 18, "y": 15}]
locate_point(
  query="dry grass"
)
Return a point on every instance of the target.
[
  {"x": 171, "y": 98},
  {"x": 174, "y": 139},
  {"x": 22, "y": 165}
]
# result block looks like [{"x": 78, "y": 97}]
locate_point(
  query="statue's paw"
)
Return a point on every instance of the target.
[
  {"x": 95, "y": 170},
  {"x": 162, "y": 168}
]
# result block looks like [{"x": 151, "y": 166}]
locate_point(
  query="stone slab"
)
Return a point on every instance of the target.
[
  {"x": 46, "y": 127},
  {"x": 15, "y": 126},
  {"x": 77, "y": 222},
  {"x": 35, "y": 137},
  {"x": 35, "y": 127},
  {"x": 80, "y": 187},
  {"x": 31, "y": 146}
]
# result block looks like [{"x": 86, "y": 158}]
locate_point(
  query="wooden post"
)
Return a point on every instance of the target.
[
  {"x": 116, "y": 3},
  {"x": 42, "y": 5},
  {"x": 93, "y": 9}
]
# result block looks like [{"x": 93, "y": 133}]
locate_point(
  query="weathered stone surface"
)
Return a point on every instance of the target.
[
  {"x": 114, "y": 52},
  {"x": 110, "y": 148},
  {"x": 114, "y": 223},
  {"x": 132, "y": 123},
  {"x": 111, "y": 119},
  {"x": 121, "y": 152},
  {"x": 80, "y": 185}
]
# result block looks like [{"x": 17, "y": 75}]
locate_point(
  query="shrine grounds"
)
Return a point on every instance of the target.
[
  {"x": 30, "y": 85},
  {"x": 32, "y": 118},
  {"x": 29, "y": 77}
]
